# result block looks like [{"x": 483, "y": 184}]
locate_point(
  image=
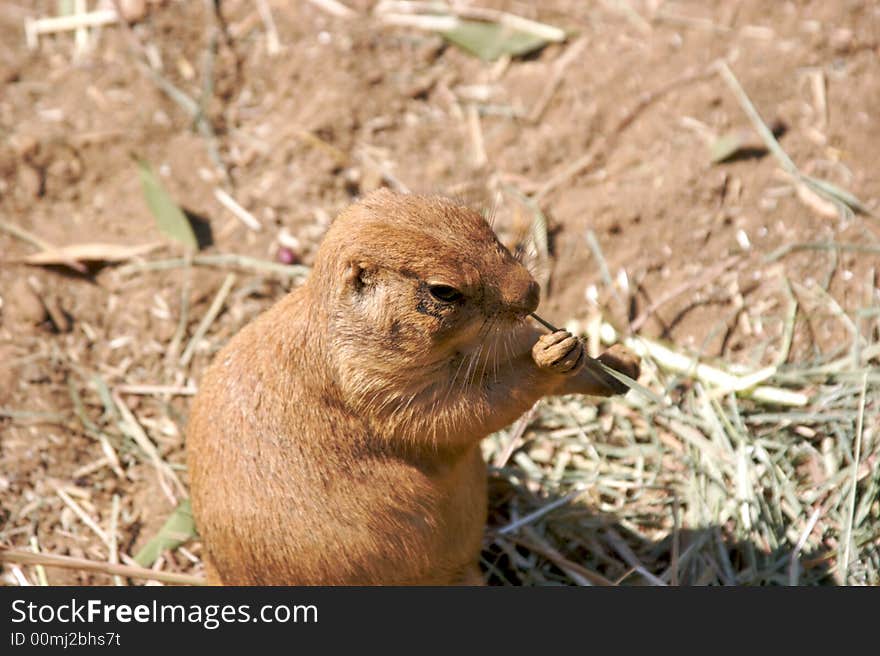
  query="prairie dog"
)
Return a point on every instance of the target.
[{"x": 335, "y": 439}]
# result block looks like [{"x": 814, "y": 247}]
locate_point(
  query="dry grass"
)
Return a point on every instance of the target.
[
  {"x": 706, "y": 489},
  {"x": 705, "y": 486},
  {"x": 711, "y": 474}
]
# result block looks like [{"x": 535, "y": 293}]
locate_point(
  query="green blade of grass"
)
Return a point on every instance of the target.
[
  {"x": 727, "y": 146},
  {"x": 178, "y": 528},
  {"x": 170, "y": 219},
  {"x": 489, "y": 41},
  {"x": 632, "y": 384},
  {"x": 830, "y": 191}
]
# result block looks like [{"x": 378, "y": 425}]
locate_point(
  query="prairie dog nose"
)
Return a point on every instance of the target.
[{"x": 521, "y": 293}]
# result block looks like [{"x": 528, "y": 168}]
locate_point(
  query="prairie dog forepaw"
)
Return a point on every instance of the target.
[{"x": 559, "y": 352}]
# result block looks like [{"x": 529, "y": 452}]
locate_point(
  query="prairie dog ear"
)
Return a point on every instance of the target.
[{"x": 358, "y": 275}]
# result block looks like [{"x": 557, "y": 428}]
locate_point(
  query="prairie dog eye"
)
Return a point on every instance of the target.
[{"x": 445, "y": 293}]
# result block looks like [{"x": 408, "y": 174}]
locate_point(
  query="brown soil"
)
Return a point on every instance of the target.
[{"x": 347, "y": 106}]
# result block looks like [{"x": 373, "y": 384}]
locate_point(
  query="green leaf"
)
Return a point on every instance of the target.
[
  {"x": 178, "y": 528},
  {"x": 726, "y": 146},
  {"x": 489, "y": 41},
  {"x": 170, "y": 219}
]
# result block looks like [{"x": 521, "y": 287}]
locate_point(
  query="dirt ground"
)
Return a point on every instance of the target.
[{"x": 608, "y": 132}]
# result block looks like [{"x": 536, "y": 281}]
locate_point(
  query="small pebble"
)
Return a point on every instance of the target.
[
  {"x": 286, "y": 256},
  {"x": 133, "y": 10}
]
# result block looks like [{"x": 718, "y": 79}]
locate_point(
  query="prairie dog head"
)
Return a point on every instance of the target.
[{"x": 418, "y": 282}]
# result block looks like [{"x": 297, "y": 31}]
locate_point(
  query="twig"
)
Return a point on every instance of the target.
[
  {"x": 602, "y": 370},
  {"x": 549, "y": 326},
  {"x": 173, "y": 350},
  {"x": 604, "y": 272},
  {"x": 841, "y": 198},
  {"x": 788, "y": 325},
  {"x": 540, "y": 30},
  {"x": 540, "y": 512},
  {"x": 820, "y": 96},
  {"x": 823, "y": 207},
  {"x": 676, "y": 541},
  {"x": 43, "y": 245},
  {"x": 134, "y": 430},
  {"x": 749, "y": 108},
  {"x": 747, "y": 385},
  {"x": 621, "y": 547},
  {"x": 273, "y": 44},
  {"x": 428, "y": 22},
  {"x": 821, "y": 295},
  {"x": 93, "y": 431},
  {"x": 855, "y": 479},
  {"x": 515, "y": 434},
  {"x": 574, "y": 570},
  {"x": 21, "y": 557},
  {"x": 20, "y": 578},
  {"x": 478, "y": 148},
  {"x": 41, "y": 572},
  {"x": 434, "y": 18},
  {"x": 802, "y": 540},
  {"x": 225, "y": 260},
  {"x": 34, "y": 28},
  {"x": 24, "y": 235},
  {"x": 37, "y": 417},
  {"x": 208, "y": 319},
  {"x": 81, "y": 39},
  {"x": 240, "y": 213},
  {"x": 91, "y": 467},
  {"x": 113, "y": 556},
  {"x": 335, "y": 8},
  {"x": 83, "y": 515},
  {"x": 157, "y": 390}
]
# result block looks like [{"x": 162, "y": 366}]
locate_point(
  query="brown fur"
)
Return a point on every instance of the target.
[{"x": 335, "y": 440}]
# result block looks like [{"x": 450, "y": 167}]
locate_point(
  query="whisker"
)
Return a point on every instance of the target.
[
  {"x": 473, "y": 358},
  {"x": 455, "y": 376},
  {"x": 472, "y": 368},
  {"x": 495, "y": 352},
  {"x": 489, "y": 342},
  {"x": 482, "y": 336}
]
